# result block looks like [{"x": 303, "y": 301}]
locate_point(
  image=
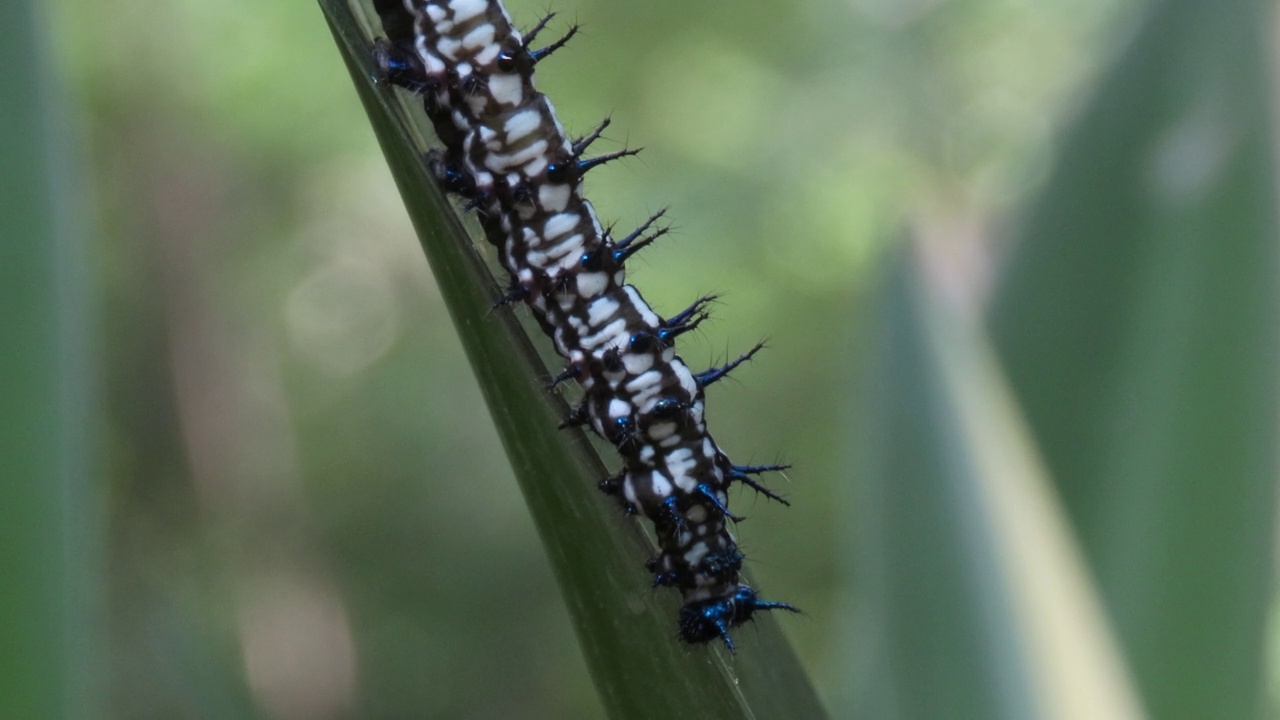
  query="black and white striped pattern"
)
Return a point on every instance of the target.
[{"x": 507, "y": 153}]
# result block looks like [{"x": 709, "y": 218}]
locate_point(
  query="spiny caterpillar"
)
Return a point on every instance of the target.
[{"x": 508, "y": 156}]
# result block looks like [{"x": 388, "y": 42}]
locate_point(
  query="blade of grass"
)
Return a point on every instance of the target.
[
  {"x": 49, "y": 547},
  {"x": 626, "y": 629},
  {"x": 975, "y": 602},
  {"x": 1137, "y": 320}
]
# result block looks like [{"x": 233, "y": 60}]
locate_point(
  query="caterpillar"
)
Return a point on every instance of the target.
[{"x": 507, "y": 155}]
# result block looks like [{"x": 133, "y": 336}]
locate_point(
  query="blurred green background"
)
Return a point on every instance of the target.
[{"x": 304, "y": 508}]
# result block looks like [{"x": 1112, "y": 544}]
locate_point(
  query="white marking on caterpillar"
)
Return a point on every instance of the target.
[{"x": 507, "y": 89}]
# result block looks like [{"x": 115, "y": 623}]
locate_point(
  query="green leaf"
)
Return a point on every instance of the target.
[
  {"x": 49, "y": 540},
  {"x": 973, "y": 597},
  {"x": 1137, "y": 322},
  {"x": 627, "y": 629}
]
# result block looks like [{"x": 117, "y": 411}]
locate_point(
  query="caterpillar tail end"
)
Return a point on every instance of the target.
[{"x": 707, "y": 620}]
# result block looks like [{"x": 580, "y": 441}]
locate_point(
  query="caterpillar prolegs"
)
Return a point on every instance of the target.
[{"x": 506, "y": 153}]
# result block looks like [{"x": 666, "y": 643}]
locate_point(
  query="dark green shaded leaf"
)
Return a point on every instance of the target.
[{"x": 48, "y": 521}]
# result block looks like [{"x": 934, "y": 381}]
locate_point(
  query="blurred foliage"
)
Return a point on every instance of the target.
[
  {"x": 972, "y": 599},
  {"x": 1138, "y": 321},
  {"x": 309, "y": 513},
  {"x": 51, "y": 657}
]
